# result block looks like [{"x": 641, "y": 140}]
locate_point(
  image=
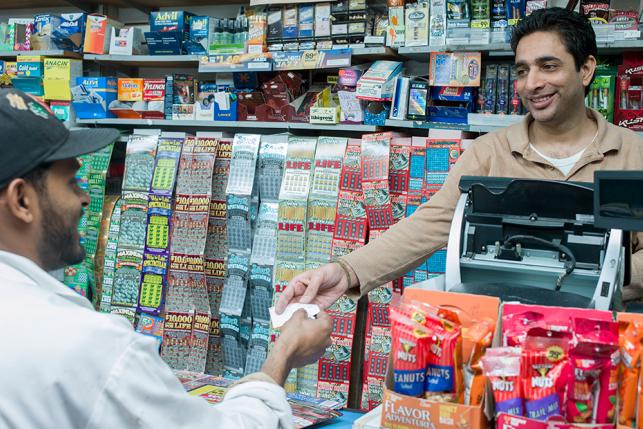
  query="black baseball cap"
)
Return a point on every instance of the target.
[{"x": 30, "y": 135}]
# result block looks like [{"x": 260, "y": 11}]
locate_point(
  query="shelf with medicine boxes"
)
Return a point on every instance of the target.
[
  {"x": 340, "y": 57},
  {"x": 504, "y": 49},
  {"x": 476, "y": 122},
  {"x": 229, "y": 124},
  {"x": 146, "y": 60},
  {"x": 43, "y": 53}
]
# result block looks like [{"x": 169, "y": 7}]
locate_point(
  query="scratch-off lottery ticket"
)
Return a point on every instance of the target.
[
  {"x": 272, "y": 156},
  {"x": 166, "y": 163},
  {"x": 235, "y": 287},
  {"x": 139, "y": 162},
  {"x": 375, "y": 174},
  {"x": 109, "y": 264},
  {"x": 245, "y": 149}
]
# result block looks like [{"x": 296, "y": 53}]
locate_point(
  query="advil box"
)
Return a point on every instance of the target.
[{"x": 406, "y": 412}]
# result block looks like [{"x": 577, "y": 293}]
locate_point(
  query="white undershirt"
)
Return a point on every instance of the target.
[{"x": 565, "y": 165}]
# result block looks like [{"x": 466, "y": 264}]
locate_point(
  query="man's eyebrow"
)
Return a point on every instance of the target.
[{"x": 538, "y": 60}]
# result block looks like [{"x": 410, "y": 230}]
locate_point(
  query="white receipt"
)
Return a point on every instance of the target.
[{"x": 278, "y": 320}]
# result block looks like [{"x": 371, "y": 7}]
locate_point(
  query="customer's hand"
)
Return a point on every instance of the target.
[
  {"x": 301, "y": 341},
  {"x": 322, "y": 286}
]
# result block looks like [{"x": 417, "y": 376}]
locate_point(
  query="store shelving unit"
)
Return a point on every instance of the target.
[
  {"x": 228, "y": 124},
  {"x": 47, "y": 53}
]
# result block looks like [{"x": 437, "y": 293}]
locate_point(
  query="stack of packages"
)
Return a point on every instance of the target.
[
  {"x": 436, "y": 350},
  {"x": 216, "y": 250},
  {"x": 241, "y": 204},
  {"x": 291, "y": 236},
  {"x": 272, "y": 155},
  {"x": 91, "y": 177},
  {"x": 379, "y": 212},
  {"x": 319, "y": 379},
  {"x": 187, "y": 293},
  {"x": 558, "y": 362},
  {"x": 156, "y": 257},
  {"x": 349, "y": 233},
  {"x": 139, "y": 169}
]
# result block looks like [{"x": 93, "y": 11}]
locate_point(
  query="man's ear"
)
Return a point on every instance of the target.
[
  {"x": 587, "y": 70},
  {"x": 20, "y": 198}
]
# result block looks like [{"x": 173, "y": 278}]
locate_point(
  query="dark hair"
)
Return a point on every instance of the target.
[
  {"x": 575, "y": 31},
  {"x": 37, "y": 177}
]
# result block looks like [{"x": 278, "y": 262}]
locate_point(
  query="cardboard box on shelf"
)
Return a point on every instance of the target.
[
  {"x": 98, "y": 33},
  {"x": 70, "y": 35},
  {"x": 126, "y": 41},
  {"x": 130, "y": 89},
  {"x": 44, "y": 26},
  {"x": 92, "y": 97},
  {"x": 59, "y": 75},
  {"x": 378, "y": 82},
  {"x": 406, "y": 412}
]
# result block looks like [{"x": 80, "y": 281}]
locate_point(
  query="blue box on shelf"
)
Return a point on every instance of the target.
[
  {"x": 222, "y": 114},
  {"x": 92, "y": 97},
  {"x": 450, "y": 104},
  {"x": 199, "y": 36},
  {"x": 376, "y": 113},
  {"x": 168, "y": 30},
  {"x": 30, "y": 85},
  {"x": 70, "y": 34}
]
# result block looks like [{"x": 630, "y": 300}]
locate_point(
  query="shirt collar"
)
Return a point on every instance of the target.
[
  {"x": 28, "y": 269},
  {"x": 605, "y": 140}
]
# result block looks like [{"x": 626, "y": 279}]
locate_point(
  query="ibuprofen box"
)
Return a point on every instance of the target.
[
  {"x": 92, "y": 97},
  {"x": 130, "y": 89},
  {"x": 406, "y": 412}
]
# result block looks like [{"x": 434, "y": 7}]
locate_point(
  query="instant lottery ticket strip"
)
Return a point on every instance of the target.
[
  {"x": 190, "y": 221},
  {"x": 270, "y": 167},
  {"x": 349, "y": 232},
  {"x": 91, "y": 178},
  {"x": 291, "y": 235},
  {"x": 216, "y": 249},
  {"x": 139, "y": 169},
  {"x": 322, "y": 202},
  {"x": 375, "y": 185},
  {"x": 239, "y": 194}
]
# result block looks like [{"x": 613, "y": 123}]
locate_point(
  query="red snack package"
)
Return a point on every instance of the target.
[
  {"x": 502, "y": 367},
  {"x": 515, "y": 327},
  {"x": 587, "y": 362},
  {"x": 602, "y": 337},
  {"x": 444, "y": 361},
  {"x": 544, "y": 372},
  {"x": 630, "y": 337},
  {"x": 410, "y": 341}
]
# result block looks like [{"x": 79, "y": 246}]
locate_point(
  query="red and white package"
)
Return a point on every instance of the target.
[
  {"x": 502, "y": 368},
  {"x": 544, "y": 372}
]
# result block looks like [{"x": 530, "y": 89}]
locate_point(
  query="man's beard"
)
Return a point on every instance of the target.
[{"x": 59, "y": 246}]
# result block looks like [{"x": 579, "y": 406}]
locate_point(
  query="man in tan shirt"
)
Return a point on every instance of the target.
[{"x": 560, "y": 139}]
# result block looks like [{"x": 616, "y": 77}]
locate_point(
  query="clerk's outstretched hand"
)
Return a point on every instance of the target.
[
  {"x": 301, "y": 341},
  {"x": 322, "y": 286}
]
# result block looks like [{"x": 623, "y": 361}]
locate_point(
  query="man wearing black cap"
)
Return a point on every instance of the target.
[{"x": 63, "y": 365}]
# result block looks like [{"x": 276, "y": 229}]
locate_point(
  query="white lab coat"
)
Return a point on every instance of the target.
[{"x": 64, "y": 365}]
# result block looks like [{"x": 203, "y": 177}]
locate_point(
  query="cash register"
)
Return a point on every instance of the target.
[{"x": 545, "y": 242}]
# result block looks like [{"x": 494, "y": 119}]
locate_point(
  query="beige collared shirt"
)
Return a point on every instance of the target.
[{"x": 503, "y": 153}]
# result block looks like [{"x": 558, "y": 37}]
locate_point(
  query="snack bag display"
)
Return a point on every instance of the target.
[
  {"x": 444, "y": 361},
  {"x": 502, "y": 366},
  {"x": 544, "y": 372},
  {"x": 409, "y": 348}
]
